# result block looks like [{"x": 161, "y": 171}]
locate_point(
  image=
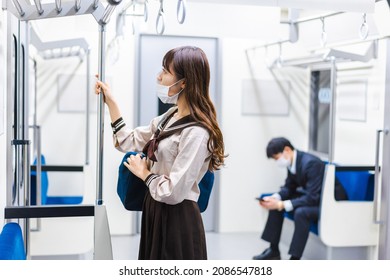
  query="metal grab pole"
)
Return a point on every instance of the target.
[
  {"x": 377, "y": 187},
  {"x": 87, "y": 111},
  {"x": 332, "y": 122},
  {"x": 102, "y": 236},
  {"x": 100, "y": 110},
  {"x": 100, "y": 123},
  {"x": 27, "y": 193}
]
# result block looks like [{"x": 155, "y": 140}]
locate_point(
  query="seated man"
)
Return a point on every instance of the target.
[{"x": 300, "y": 194}]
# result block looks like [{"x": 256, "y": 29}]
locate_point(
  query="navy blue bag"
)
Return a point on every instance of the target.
[
  {"x": 205, "y": 187},
  {"x": 132, "y": 189}
]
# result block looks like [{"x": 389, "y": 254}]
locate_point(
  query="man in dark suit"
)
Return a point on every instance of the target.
[{"x": 300, "y": 195}]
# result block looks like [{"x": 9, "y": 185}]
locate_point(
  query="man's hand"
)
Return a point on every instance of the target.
[{"x": 271, "y": 203}]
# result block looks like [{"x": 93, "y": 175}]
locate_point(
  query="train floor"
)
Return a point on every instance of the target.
[{"x": 220, "y": 246}]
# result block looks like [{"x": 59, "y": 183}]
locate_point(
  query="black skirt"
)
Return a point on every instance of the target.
[{"x": 171, "y": 232}]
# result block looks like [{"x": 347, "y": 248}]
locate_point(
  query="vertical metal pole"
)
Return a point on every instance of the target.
[
  {"x": 37, "y": 148},
  {"x": 332, "y": 120},
  {"x": 100, "y": 114},
  {"x": 26, "y": 150},
  {"x": 87, "y": 110},
  {"x": 35, "y": 108},
  {"x": 377, "y": 190},
  {"x": 384, "y": 228},
  {"x": 18, "y": 113},
  {"x": 39, "y": 173},
  {"x": 39, "y": 166},
  {"x": 37, "y": 141},
  {"x": 26, "y": 156}
]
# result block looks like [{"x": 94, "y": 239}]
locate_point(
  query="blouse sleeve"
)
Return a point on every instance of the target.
[
  {"x": 190, "y": 161},
  {"x": 127, "y": 139}
]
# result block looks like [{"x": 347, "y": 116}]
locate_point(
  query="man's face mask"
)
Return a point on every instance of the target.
[{"x": 283, "y": 162}]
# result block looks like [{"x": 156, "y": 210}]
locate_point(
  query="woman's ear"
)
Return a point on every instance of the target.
[{"x": 183, "y": 84}]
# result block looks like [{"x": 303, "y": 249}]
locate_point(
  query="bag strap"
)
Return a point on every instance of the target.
[{"x": 162, "y": 133}]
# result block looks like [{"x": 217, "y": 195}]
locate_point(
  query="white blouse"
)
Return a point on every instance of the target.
[{"x": 181, "y": 159}]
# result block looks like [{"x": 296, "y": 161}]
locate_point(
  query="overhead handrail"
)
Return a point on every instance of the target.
[
  {"x": 26, "y": 11},
  {"x": 181, "y": 7},
  {"x": 160, "y": 19},
  {"x": 363, "y": 31},
  {"x": 340, "y": 56}
]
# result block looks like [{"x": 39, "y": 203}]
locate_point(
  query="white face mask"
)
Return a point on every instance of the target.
[
  {"x": 162, "y": 93},
  {"x": 283, "y": 162}
]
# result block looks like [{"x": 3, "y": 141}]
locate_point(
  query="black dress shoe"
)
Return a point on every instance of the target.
[{"x": 268, "y": 254}]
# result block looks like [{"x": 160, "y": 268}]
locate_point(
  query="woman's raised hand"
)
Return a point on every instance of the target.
[{"x": 104, "y": 88}]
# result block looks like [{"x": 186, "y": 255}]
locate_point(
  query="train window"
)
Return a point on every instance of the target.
[{"x": 320, "y": 102}]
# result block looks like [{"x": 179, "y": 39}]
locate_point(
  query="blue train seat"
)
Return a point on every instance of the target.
[
  {"x": 44, "y": 184},
  {"x": 11, "y": 243},
  {"x": 45, "y": 199},
  {"x": 358, "y": 184},
  {"x": 348, "y": 223}
]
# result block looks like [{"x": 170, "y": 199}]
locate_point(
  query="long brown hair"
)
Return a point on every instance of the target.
[{"x": 190, "y": 63}]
